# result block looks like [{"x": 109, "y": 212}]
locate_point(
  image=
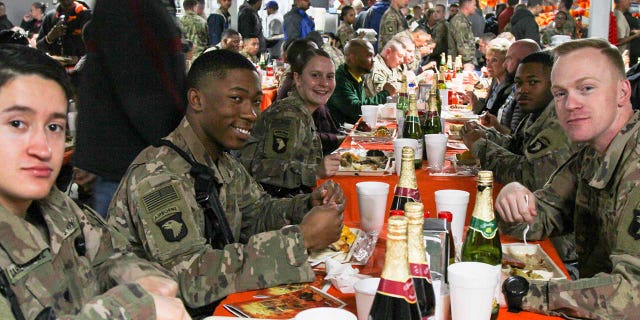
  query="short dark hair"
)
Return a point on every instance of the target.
[
  {"x": 344, "y": 11},
  {"x": 18, "y": 60},
  {"x": 453, "y": 5},
  {"x": 298, "y": 64},
  {"x": 316, "y": 37},
  {"x": 15, "y": 37},
  {"x": 251, "y": 36},
  {"x": 188, "y": 4},
  {"x": 40, "y": 5},
  {"x": 512, "y": 3},
  {"x": 541, "y": 57},
  {"x": 228, "y": 33},
  {"x": 296, "y": 47},
  {"x": 533, "y": 3},
  {"x": 214, "y": 65},
  {"x": 567, "y": 3}
]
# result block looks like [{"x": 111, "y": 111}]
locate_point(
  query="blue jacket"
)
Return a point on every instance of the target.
[{"x": 374, "y": 15}]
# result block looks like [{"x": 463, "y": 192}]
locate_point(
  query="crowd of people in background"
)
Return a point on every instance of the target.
[{"x": 186, "y": 187}]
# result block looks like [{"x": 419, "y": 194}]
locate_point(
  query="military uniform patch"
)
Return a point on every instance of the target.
[
  {"x": 634, "y": 227},
  {"x": 173, "y": 228},
  {"x": 538, "y": 145},
  {"x": 280, "y": 139}
]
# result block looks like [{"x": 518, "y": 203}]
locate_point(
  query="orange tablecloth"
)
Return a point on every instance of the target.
[
  {"x": 374, "y": 268},
  {"x": 268, "y": 95}
]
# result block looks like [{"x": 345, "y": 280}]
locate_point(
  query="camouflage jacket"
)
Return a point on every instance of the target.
[
  {"x": 391, "y": 23},
  {"x": 530, "y": 155},
  {"x": 570, "y": 27},
  {"x": 345, "y": 33},
  {"x": 71, "y": 260},
  {"x": 195, "y": 29},
  {"x": 379, "y": 76},
  {"x": 284, "y": 149},
  {"x": 334, "y": 53},
  {"x": 551, "y": 31},
  {"x": 461, "y": 40},
  {"x": 440, "y": 35},
  {"x": 155, "y": 207},
  {"x": 597, "y": 197}
]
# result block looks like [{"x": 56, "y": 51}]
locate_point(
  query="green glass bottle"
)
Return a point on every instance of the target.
[
  {"x": 482, "y": 242},
  {"x": 413, "y": 129},
  {"x": 403, "y": 96},
  {"x": 432, "y": 123}
]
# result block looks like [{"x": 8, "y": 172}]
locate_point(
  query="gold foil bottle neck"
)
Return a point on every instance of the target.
[
  {"x": 414, "y": 211},
  {"x": 407, "y": 169},
  {"x": 485, "y": 177},
  {"x": 397, "y": 227}
]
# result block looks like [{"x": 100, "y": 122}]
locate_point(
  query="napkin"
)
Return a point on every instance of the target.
[{"x": 342, "y": 275}]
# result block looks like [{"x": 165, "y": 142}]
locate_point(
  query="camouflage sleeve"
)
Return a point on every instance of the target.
[
  {"x": 531, "y": 166},
  {"x": 110, "y": 253},
  {"x": 284, "y": 155},
  {"x": 389, "y": 26},
  {"x": 441, "y": 38},
  {"x": 171, "y": 233},
  {"x": 128, "y": 301},
  {"x": 369, "y": 86}
]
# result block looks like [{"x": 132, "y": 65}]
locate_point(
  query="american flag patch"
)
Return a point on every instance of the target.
[{"x": 158, "y": 199}]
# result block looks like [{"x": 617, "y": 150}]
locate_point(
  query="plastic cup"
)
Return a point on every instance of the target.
[
  {"x": 365, "y": 292},
  {"x": 454, "y": 201},
  {"x": 370, "y": 115},
  {"x": 436, "y": 145},
  {"x": 398, "y": 144},
  {"x": 372, "y": 202},
  {"x": 472, "y": 287},
  {"x": 325, "y": 313}
]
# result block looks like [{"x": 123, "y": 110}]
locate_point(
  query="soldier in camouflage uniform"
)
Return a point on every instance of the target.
[
  {"x": 595, "y": 193},
  {"x": 386, "y": 69},
  {"x": 392, "y": 22},
  {"x": 284, "y": 152},
  {"x": 421, "y": 42},
  {"x": 194, "y": 27},
  {"x": 57, "y": 260},
  {"x": 346, "y": 32},
  {"x": 155, "y": 205},
  {"x": 461, "y": 40},
  {"x": 538, "y": 146},
  {"x": 569, "y": 27}
]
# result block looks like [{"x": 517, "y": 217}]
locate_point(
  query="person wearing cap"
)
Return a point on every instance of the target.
[
  {"x": 274, "y": 32},
  {"x": 297, "y": 23}
]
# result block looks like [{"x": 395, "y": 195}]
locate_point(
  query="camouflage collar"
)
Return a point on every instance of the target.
[
  {"x": 23, "y": 242},
  {"x": 547, "y": 116},
  {"x": 184, "y": 137},
  {"x": 606, "y": 164}
]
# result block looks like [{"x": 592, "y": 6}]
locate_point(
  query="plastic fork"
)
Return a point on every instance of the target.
[{"x": 526, "y": 229}]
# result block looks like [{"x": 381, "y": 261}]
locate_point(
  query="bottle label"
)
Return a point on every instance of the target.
[
  {"x": 487, "y": 228},
  {"x": 413, "y": 195},
  {"x": 420, "y": 270},
  {"x": 404, "y": 290}
]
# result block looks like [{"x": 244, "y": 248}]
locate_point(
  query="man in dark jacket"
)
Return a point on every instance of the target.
[
  {"x": 297, "y": 23},
  {"x": 131, "y": 90},
  {"x": 5, "y": 23},
  {"x": 348, "y": 96},
  {"x": 249, "y": 22},
  {"x": 523, "y": 22},
  {"x": 61, "y": 31}
]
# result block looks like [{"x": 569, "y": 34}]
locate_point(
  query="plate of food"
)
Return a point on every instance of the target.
[
  {"x": 364, "y": 133},
  {"x": 529, "y": 261},
  {"x": 361, "y": 162},
  {"x": 457, "y": 115},
  {"x": 340, "y": 250}
]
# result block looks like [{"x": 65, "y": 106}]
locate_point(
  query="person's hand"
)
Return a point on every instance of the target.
[
  {"x": 329, "y": 166},
  {"x": 57, "y": 31},
  {"x": 328, "y": 193},
  {"x": 470, "y": 97},
  {"x": 321, "y": 227},
  {"x": 515, "y": 203},
  {"x": 430, "y": 65},
  {"x": 82, "y": 178},
  {"x": 390, "y": 88},
  {"x": 27, "y": 17},
  {"x": 471, "y": 132},
  {"x": 159, "y": 286},
  {"x": 168, "y": 308}
]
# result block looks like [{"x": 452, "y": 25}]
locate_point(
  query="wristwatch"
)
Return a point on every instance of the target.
[{"x": 514, "y": 289}]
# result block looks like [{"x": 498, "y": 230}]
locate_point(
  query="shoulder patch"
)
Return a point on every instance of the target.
[
  {"x": 173, "y": 227},
  {"x": 163, "y": 207},
  {"x": 539, "y": 144},
  {"x": 634, "y": 227},
  {"x": 281, "y": 138}
]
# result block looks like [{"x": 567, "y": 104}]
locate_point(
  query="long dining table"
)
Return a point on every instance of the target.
[{"x": 427, "y": 185}]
